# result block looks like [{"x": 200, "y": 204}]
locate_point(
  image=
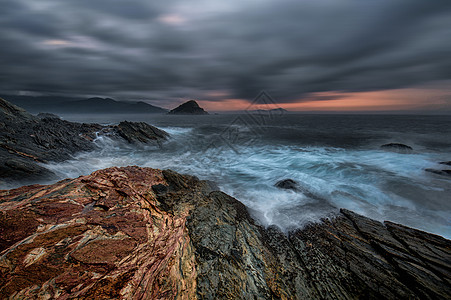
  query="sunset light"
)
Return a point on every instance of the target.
[{"x": 238, "y": 149}]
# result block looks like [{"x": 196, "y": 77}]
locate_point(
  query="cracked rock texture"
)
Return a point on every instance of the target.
[{"x": 141, "y": 233}]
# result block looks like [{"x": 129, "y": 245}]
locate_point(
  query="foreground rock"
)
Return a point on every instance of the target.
[
  {"x": 188, "y": 108},
  {"x": 26, "y": 140},
  {"x": 140, "y": 233}
]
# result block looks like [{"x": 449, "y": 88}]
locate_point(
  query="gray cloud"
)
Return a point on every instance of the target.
[{"x": 291, "y": 48}]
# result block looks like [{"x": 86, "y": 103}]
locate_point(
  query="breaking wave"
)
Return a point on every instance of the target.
[{"x": 379, "y": 184}]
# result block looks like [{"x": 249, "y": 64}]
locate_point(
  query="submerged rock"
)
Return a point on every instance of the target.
[
  {"x": 188, "y": 108},
  {"x": 140, "y": 233},
  {"x": 287, "y": 184},
  {"x": 26, "y": 140},
  {"x": 439, "y": 172},
  {"x": 397, "y": 147},
  {"x": 444, "y": 172},
  {"x": 290, "y": 184}
]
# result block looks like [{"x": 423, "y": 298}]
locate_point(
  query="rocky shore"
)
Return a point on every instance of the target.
[
  {"x": 141, "y": 233},
  {"x": 27, "y": 140}
]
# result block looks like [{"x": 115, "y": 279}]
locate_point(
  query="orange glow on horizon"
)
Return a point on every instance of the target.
[
  {"x": 224, "y": 105},
  {"x": 387, "y": 100}
]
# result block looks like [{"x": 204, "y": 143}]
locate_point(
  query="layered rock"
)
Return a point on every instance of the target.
[
  {"x": 188, "y": 108},
  {"x": 138, "y": 132},
  {"x": 140, "y": 233},
  {"x": 26, "y": 140}
]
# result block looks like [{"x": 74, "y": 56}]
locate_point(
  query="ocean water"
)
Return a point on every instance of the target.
[{"x": 336, "y": 159}]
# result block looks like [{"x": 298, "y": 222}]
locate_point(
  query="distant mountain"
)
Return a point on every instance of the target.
[
  {"x": 268, "y": 111},
  {"x": 188, "y": 108},
  {"x": 74, "y": 105}
]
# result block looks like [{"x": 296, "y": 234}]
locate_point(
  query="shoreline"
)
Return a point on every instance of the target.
[
  {"x": 195, "y": 241},
  {"x": 125, "y": 232}
]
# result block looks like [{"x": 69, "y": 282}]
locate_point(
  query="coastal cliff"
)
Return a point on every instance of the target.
[
  {"x": 141, "y": 233},
  {"x": 26, "y": 141}
]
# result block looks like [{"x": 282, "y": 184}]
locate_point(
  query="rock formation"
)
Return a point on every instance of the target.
[
  {"x": 287, "y": 184},
  {"x": 140, "y": 233},
  {"x": 439, "y": 172},
  {"x": 47, "y": 115},
  {"x": 188, "y": 108},
  {"x": 397, "y": 147},
  {"x": 26, "y": 140}
]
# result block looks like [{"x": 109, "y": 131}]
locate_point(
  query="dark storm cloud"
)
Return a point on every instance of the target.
[
  {"x": 135, "y": 9},
  {"x": 175, "y": 49}
]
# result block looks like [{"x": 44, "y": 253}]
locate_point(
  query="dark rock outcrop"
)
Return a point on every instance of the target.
[
  {"x": 443, "y": 172},
  {"x": 140, "y": 233},
  {"x": 439, "y": 172},
  {"x": 47, "y": 115},
  {"x": 188, "y": 108},
  {"x": 287, "y": 184},
  {"x": 397, "y": 147},
  {"x": 26, "y": 140},
  {"x": 290, "y": 184},
  {"x": 139, "y": 132}
]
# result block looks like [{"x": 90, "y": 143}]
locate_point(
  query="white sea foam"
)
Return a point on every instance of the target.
[
  {"x": 382, "y": 185},
  {"x": 177, "y": 130}
]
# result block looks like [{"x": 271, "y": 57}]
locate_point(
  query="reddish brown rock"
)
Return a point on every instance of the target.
[
  {"x": 140, "y": 233},
  {"x": 98, "y": 236}
]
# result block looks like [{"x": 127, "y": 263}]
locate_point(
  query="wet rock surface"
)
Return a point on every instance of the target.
[
  {"x": 439, "y": 172},
  {"x": 27, "y": 140},
  {"x": 47, "y": 115},
  {"x": 141, "y": 233},
  {"x": 397, "y": 147},
  {"x": 287, "y": 184},
  {"x": 139, "y": 132}
]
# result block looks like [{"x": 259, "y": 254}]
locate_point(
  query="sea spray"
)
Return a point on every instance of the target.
[{"x": 380, "y": 184}]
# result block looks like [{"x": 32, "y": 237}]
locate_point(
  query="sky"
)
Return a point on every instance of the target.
[{"x": 322, "y": 55}]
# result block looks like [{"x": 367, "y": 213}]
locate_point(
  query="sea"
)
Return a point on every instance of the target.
[{"x": 337, "y": 160}]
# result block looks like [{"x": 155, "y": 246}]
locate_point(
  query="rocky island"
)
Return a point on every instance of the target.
[
  {"x": 188, "y": 108},
  {"x": 141, "y": 233}
]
